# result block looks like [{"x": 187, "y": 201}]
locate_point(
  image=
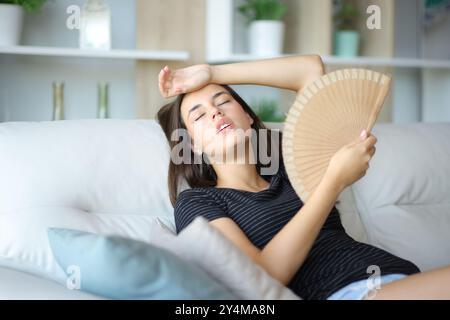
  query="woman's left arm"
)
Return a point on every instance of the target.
[{"x": 291, "y": 72}]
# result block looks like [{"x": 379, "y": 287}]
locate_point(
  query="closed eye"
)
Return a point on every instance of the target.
[
  {"x": 219, "y": 105},
  {"x": 199, "y": 116}
]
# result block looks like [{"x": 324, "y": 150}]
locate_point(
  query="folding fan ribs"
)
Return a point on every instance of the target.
[{"x": 329, "y": 113}]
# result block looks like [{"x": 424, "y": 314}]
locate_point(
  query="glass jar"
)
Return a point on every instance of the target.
[{"x": 95, "y": 31}]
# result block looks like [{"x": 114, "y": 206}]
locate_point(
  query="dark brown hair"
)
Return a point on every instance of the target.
[{"x": 203, "y": 174}]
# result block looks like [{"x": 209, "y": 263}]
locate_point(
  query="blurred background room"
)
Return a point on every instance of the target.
[{"x": 80, "y": 59}]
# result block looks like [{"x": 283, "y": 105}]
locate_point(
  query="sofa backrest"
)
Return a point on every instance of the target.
[
  {"x": 111, "y": 166},
  {"x": 107, "y": 166},
  {"x": 404, "y": 199}
]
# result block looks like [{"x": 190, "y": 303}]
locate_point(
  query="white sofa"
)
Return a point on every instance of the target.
[{"x": 57, "y": 173}]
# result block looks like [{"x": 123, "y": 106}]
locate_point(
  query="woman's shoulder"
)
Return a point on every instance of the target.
[
  {"x": 195, "y": 202},
  {"x": 190, "y": 192},
  {"x": 197, "y": 194},
  {"x": 198, "y": 191}
]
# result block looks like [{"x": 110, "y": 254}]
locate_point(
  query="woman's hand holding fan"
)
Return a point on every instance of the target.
[{"x": 351, "y": 162}]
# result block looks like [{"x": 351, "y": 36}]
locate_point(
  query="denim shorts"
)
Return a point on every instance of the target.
[{"x": 358, "y": 289}]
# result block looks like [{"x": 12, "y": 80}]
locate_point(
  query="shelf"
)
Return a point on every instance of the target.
[
  {"x": 389, "y": 62},
  {"x": 358, "y": 61},
  {"x": 110, "y": 54}
]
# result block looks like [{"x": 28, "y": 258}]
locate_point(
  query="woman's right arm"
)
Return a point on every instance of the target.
[{"x": 288, "y": 249}]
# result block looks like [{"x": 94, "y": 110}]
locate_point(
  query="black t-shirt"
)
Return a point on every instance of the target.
[{"x": 335, "y": 260}]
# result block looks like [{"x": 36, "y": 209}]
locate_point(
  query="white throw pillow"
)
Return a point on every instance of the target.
[
  {"x": 204, "y": 246},
  {"x": 23, "y": 234},
  {"x": 98, "y": 175}
]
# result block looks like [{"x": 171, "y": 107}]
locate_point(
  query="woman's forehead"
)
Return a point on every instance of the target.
[{"x": 200, "y": 96}]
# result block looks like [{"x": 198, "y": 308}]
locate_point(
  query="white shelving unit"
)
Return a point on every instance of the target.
[
  {"x": 110, "y": 54},
  {"x": 421, "y": 81},
  {"x": 418, "y": 58},
  {"x": 388, "y": 62},
  {"x": 358, "y": 61},
  {"x": 49, "y": 52}
]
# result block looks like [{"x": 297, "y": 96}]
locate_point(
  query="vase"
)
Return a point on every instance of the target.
[
  {"x": 11, "y": 22},
  {"x": 58, "y": 100},
  {"x": 346, "y": 43},
  {"x": 266, "y": 37},
  {"x": 103, "y": 101}
]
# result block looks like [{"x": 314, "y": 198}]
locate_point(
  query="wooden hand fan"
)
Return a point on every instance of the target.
[{"x": 328, "y": 114}]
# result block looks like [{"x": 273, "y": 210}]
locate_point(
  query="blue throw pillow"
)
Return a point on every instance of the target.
[{"x": 121, "y": 268}]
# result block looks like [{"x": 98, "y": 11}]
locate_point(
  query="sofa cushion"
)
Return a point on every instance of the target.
[
  {"x": 110, "y": 166},
  {"x": 404, "y": 199},
  {"x": 350, "y": 217},
  {"x": 204, "y": 246},
  {"x": 121, "y": 268},
  {"x": 23, "y": 234},
  {"x": 107, "y": 176},
  {"x": 17, "y": 285}
]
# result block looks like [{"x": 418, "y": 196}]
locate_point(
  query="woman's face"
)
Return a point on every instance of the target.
[{"x": 215, "y": 121}]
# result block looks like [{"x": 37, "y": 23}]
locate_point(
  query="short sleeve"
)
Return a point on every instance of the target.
[{"x": 191, "y": 204}]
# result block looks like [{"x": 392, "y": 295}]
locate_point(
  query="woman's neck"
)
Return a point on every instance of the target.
[
  {"x": 239, "y": 176},
  {"x": 241, "y": 172}
]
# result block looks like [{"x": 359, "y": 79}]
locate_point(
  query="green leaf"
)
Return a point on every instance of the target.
[
  {"x": 263, "y": 10},
  {"x": 268, "y": 111},
  {"x": 347, "y": 17},
  {"x": 28, "y": 5}
]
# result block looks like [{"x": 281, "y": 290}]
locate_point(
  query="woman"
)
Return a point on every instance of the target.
[{"x": 303, "y": 245}]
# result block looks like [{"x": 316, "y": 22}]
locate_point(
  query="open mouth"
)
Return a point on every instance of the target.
[{"x": 225, "y": 127}]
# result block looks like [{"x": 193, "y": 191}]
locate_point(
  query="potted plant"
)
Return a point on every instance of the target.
[
  {"x": 266, "y": 30},
  {"x": 346, "y": 36},
  {"x": 11, "y": 19},
  {"x": 268, "y": 111}
]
